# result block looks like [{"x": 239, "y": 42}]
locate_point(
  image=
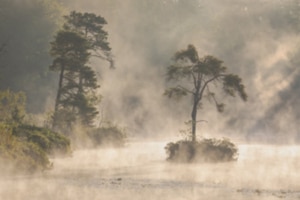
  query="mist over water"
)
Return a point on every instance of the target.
[
  {"x": 141, "y": 172},
  {"x": 258, "y": 40}
]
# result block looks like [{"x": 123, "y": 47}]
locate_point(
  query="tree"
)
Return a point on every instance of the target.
[
  {"x": 193, "y": 76},
  {"x": 81, "y": 37},
  {"x": 90, "y": 26},
  {"x": 69, "y": 50}
]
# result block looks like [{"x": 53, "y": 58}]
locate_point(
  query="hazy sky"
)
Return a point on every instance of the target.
[{"x": 258, "y": 40}]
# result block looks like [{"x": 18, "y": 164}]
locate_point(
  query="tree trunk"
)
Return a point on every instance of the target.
[
  {"x": 194, "y": 119},
  {"x": 60, "y": 83}
]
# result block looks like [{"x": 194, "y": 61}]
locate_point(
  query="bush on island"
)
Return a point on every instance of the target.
[{"x": 205, "y": 150}]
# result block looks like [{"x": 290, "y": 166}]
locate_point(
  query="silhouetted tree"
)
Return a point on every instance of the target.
[
  {"x": 90, "y": 26},
  {"x": 193, "y": 76},
  {"x": 82, "y": 37},
  {"x": 77, "y": 81}
]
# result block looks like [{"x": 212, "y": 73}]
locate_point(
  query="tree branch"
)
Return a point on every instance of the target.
[
  {"x": 186, "y": 90},
  {"x": 220, "y": 106},
  {"x": 207, "y": 82},
  {"x": 198, "y": 121},
  {"x": 106, "y": 57}
]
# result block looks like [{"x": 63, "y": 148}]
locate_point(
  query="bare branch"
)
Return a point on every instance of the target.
[
  {"x": 107, "y": 57},
  {"x": 198, "y": 121},
  {"x": 176, "y": 92},
  {"x": 207, "y": 82},
  {"x": 185, "y": 89},
  {"x": 219, "y": 106}
]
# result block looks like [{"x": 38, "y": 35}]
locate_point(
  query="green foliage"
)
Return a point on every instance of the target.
[
  {"x": 50, "y": 142},
  {"x": 26, "y": 148},
  {"x": 206, "y": 150},
  {"x": 90, "y": 26},
  {"x": 18, "y": 155},
  {"x": 233, "y": 83},
  {"x": 12, "y": 106},
  {"x": 69, "y": 49},
  {"x": 108, "y": 135},
  {"x": 190, "y": 53}
]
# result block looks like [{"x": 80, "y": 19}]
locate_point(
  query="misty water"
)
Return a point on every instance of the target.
[{"x": 140, "y": 171}]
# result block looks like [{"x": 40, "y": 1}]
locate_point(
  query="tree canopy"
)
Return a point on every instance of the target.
[
  {"x": 192, "y": 75},
  {"x": 90, "y": 26}
]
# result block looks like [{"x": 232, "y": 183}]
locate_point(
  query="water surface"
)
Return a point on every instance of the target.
[{"x": 140, "y": 171}]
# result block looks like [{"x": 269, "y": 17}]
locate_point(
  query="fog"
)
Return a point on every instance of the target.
[
  {"x": 257, "y": 40},
  {"x": 141, "y": 172}
]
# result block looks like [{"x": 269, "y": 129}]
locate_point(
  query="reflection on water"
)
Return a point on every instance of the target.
[{"x": 141, "y": 172}]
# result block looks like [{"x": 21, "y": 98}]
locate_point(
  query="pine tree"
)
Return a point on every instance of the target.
[
  {"x": 193, "y": 76},
  {"x": 90, "y": 26},
  {"x": 70, "y": 54},
  {"x": 81, "y": 37}
]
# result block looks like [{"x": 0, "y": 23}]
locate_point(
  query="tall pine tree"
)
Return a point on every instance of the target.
[{"x": 82, "y": 36}]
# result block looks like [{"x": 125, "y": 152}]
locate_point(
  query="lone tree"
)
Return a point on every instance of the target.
[
  {"x": 193, "y": 76},
  {"x": 82, "y": 36}
]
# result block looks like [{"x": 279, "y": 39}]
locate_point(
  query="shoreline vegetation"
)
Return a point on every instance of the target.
[{"x": 27, "y": 149}]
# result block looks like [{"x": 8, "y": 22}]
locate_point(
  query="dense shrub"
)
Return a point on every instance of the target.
[
  {"x": 206, "y": 150},
  {"x": 49, "y": 141},
  {"x": 12, "y": 106},
  {"x": 109, "y": 135},
  {"x": 20, "y": 156},
  {"x": 26, "y": 148}
]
